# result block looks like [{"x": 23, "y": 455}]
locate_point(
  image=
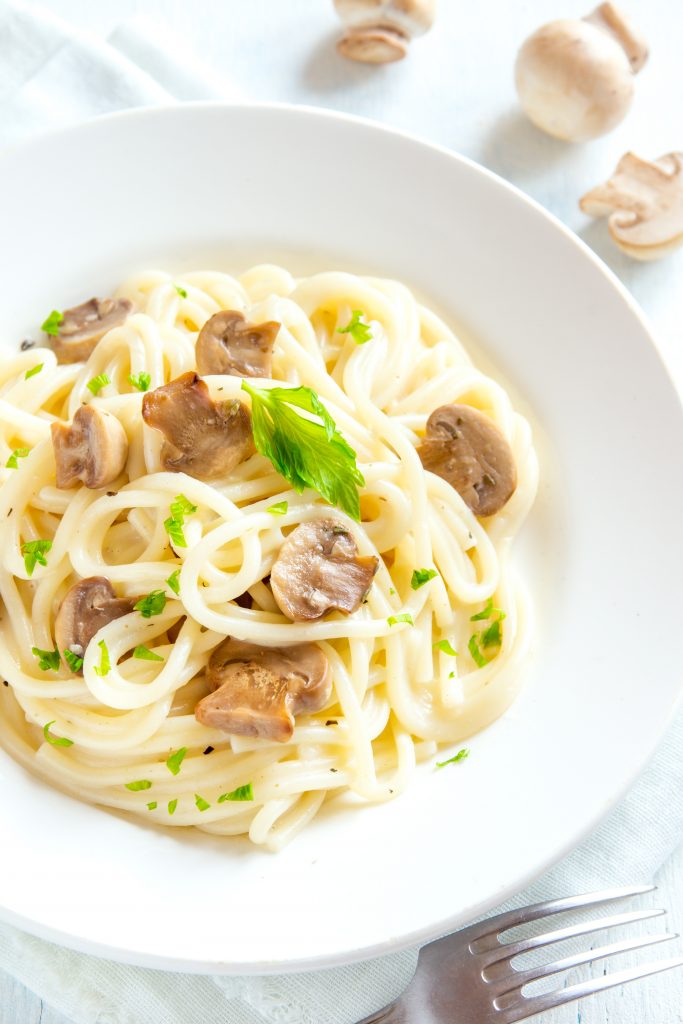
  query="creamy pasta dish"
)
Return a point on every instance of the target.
[{"x": 256, "y": 540}]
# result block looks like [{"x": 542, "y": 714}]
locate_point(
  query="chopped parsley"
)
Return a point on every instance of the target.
[
  {"x": 172, "y": 804},
  {"x": 394, "y": 620},
  {"x": 152, "y": 805},
  {"x": 473, "y": 647},
  {"x": 174, "y": 762},
  {"x": 152, "y": 604},
  {"x": 144, "y": 654},
  {"x": 201, "y": 803},
  {"x": 307, "y": 452},
  {"x": 47, "y": 660},
  {"x": 180, "y": 507},
  {"x": 138, "y": 785},
  {"x": 97, "y": 383},
  {"x": 422, "y": 576},
  {"x": 492, "y": 635},
  {"x": 181, "y": 291},
  {"x": 56, "y": 741},
  {"x": 460, "y": 756},
  {"x": 104, "y": 666},
  {"x": 52, "y": 324},
  {"x": 488, "y": 612},
  {"x": 18, "y": 453},
  {"x": 241, "y": 793},
  {"x": 173, "y": 581},
  {"x": 140, "y": 381},
  {"x": 278, "y": 509},
  {"x": 74, "y": 662},
  {"x": 33, "y": 371},
  {"x": 359, "y": 331},
  {"x": 34, "y": 552},
  {"x": 446, "y": 646}
]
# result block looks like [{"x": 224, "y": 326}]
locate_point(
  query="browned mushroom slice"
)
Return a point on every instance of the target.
[
  {"x": 318, "y": 569},
  {"x": 83, "y": 326},
  {"x": 203, "y": 438},
  {"x": 86, "y": 608},
  {"x": 259, "y": 690},
  {"x": 93, "y": 448},
  {"x": 467, "y": 449},
  {"x": 228, "y": 344}
]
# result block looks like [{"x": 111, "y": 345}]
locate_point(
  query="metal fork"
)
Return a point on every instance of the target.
[{"x": 469, "y": 977}]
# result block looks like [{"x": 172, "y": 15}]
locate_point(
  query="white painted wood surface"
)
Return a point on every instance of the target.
[{"x": 456, "y": 89}]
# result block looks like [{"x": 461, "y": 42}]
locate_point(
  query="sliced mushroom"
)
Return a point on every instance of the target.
[
  {"x": 93, "y": 448},
  {"x": 259, "y": 690},
  {"x": 83, "y": 326},
  {"x": 379, "y": 31},
  {"x": 227, "y": 343},
  {"x": 644, "y": 202},
  {"x": 465, "y": 448},
  {"x": 318, "y": 569},
  {"x": 203, "y": 438},
  {"x": 86, "y": 608}
]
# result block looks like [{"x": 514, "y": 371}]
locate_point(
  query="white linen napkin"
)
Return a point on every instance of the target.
[{"x": 52, "y": 75}]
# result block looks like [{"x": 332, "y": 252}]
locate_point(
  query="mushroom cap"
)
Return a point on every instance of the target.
[
  {"x": 227, "y": 343},
  {"x": 257, "y": 690},
  {"x": 93, "y": 448},
  {"x": 574, "y": 80},
  {"x": 644, "y": 202},
  {"x": 204, "y": 438},
  {"x": 465, "y": 448},
  {"x": 83, "y": 326},
  {"x": 86, "y": 607},
  {"x": 318, "y": 569}
]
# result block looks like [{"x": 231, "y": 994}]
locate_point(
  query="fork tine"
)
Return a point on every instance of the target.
[
  {"x": 517, "y": 979},
  {"x": 527, "y": 1006},
  {"x": 493, "y": 926},
  {"x": 507, "y": 950}
]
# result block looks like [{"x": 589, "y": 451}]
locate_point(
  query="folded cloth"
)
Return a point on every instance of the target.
[{"x": 52, "y": 75}]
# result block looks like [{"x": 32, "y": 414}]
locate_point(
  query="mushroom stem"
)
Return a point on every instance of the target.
[{"x": 610, "y": 19}]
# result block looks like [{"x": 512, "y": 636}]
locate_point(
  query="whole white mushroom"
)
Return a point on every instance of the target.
[
  {"x": 379, "y": 31},
  {"x": 575, "y": 78}
]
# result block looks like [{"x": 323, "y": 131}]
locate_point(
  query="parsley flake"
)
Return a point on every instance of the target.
[
  {"x": 278, "y": 509},
  {"x": 144, "y": 654},
  {"x": 174, "y": 762},
  {"x": 422, "y": 576},
  {"x": 138, "y": 785},
  {"x": 306, "y": 452},
  {"x": 33, "y": 371},
  {"x": 181, "y": 291},
  {"x": 172, "y": 804},
  {"x": 152, "y": 604},
  {"x": 56, "y": 741},
  {"x": 180, "y": 507},
  {"x": 201, "y": 803},
  {"x": 53, "y": 322},
  {"x": 140, "y": 381},
  {"x": 97, "y": 383},
  {"x": 446, "y": 646},
  {"x": 460, "y": 756},
  {"x": 359, "y": 331},
  {"x": 73, "y": 661},
  {"x": 241, "y": 793},
  {"x": 172, "y": 581},
  {"x": 488, "y": 612},
  {"x": 34, "y": 552},
  {"x": 473, "y": 647},
  {"x": 152, "y": 805},
  {"x": 47, "y": 660},
  {"x": 393, "y": 620},
  {"x": 18, "y": 453},
  {"x": 492, "y": 635},
  {"x": 104, "y": 666}
]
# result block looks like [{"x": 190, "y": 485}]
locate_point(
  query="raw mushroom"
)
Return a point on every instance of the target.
[
  {"x": 574, "y": 78},
  {"x": 86, "y": 608},
  {"x": 644, "y": 202},
  {"x": 83, "y": 326},
  {"x": 228, "y": 344},
  {"x": 379, "y": 31},
  {"x": 204, "y": 438},
  {"x": 259, "y": 690},
  {"x": 92, "y": 449},
  {"x": 318, "y": 569},
  {"x": 465, "y": 448}
]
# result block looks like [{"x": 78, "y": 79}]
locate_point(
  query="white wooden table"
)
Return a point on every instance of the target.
[{"x": 455, "y": 89}]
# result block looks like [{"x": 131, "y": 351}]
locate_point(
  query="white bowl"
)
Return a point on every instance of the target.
[{"x": 225, "y": 186}]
